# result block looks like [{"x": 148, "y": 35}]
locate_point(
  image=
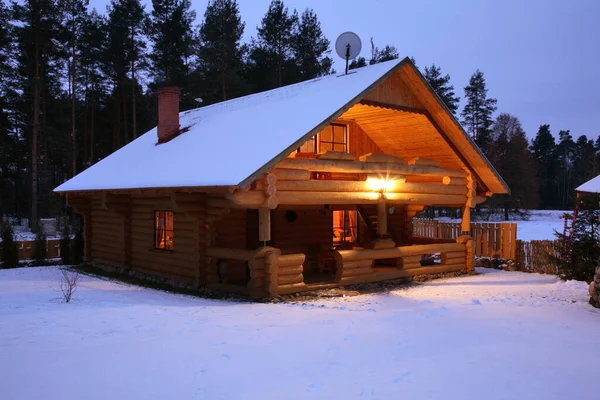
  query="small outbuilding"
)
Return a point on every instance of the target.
[{"x": 307, "y": 186}]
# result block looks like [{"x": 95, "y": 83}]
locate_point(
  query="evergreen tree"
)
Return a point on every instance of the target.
[
  {"x": 584, "y": 160},
  {"x": 170, "y": 28},
  {"x": 377, "y": 56},
  {"x": 565, "y": 155},
  {"x": 271, "y": 56},
  {"x": 577, "y": 247},
  {"x": 311, "y": 48},
  {"x": 543, "y": 151},
  {"x": 92, "y": 65},
  {"x": 75, "y": 15},
  {"x": 441, "y": 85},
  {"x": 510, "y": 156},
  {"x": 386, "y": 54},
  {"x": 221, "y": 53},
  {"x": 477, "y": 114},
  {"x": 37, "y": 31},
  {"x": 8, "y": 141},
  {"x": 10, "y": 253},
  {"x": 358, "y": 63}
]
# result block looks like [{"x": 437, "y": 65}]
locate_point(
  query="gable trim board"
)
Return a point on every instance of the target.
[{"x": 207, "y": 120}]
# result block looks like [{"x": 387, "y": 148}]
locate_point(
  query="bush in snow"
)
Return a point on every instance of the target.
[
  {"x": 65, "y": 245},
  {"x": 39, "y": 248},
  {"x": 68, "y": 283},
  {"x": 10, "y": 253},
  {"x": 577, "y": 246}
]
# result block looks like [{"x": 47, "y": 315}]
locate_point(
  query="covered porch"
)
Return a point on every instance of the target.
[{"x": 393, "y": 189}]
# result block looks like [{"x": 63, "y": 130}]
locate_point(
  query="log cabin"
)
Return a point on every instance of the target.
[{"x": 307, "y": 186}]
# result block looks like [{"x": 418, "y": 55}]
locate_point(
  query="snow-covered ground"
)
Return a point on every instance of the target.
[{"x": 498, "y": 335}]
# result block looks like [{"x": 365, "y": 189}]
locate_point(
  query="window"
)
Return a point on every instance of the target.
[
  {"x": 333, "y": 138},
  {"x": 163, "y": 230},
  {"x": 345, "y": 226}
]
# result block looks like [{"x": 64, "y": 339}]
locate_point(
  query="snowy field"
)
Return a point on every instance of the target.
[{"x": 498, "y": 335}]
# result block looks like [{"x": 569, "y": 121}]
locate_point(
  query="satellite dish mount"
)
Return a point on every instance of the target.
[{"x": 348, "y": 46}]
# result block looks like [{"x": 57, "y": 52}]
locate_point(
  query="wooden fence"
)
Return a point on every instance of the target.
[
  {"x": 533, "y": 256},
  {"x": 25, "y": 248},
  {"x": 489, "y": 239}
]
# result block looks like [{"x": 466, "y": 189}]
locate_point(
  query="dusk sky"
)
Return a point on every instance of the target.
[{"x": 540, "y": 57}]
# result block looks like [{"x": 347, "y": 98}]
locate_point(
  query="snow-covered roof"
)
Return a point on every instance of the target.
[
  {"x": 591, "y": 186},
  {"x": 229, "y": 141}
]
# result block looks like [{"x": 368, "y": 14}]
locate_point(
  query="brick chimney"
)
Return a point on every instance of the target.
[{"x": 168, "y": 113}]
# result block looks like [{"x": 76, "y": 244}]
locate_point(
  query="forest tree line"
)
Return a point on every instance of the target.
[{"x": 77, "y": 84}]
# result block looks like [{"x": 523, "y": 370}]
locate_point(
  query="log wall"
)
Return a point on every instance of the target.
[
  {"x": 107, "y": 228},
  {"x": 312, "y": 228},
  {"x": 231, "y": 232},
  {"x": 126, "y": 239}
]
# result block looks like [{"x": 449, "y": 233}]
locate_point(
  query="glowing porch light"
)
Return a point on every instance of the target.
[{"x": 380, "y": 184}]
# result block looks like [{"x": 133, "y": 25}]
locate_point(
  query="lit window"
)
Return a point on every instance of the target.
[
  {"x": 345, "y": 226},
  {"x": 163, "y": 230},
  {"x": 333, "y": 138}
]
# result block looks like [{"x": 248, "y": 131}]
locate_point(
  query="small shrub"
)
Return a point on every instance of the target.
[
  {"x": 68, "y": 283},
  {"x": 40, "y": 252},
  {"x": 577, "y": 247},
  {"x": 10, "y": 253},
  {"x": 65, "y": 245}
]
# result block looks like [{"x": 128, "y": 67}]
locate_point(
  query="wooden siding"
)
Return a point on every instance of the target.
[
  {"x": 359, "y": 143},
  {"x": 312, "y": 228},
  {"x": 231, "y": 232},
  {"x": 107, "y": 235},
  {"x": 110, "y": 243},
  {"x": 394, "y": 91}
]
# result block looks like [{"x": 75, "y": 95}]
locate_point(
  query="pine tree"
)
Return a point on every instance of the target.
[
  {"x": 509, "y": 154},
  {"x": 311, "y": 48},
  {"x": 38, "y": 64},
  {"x": 8, "y": 141},
  {"x": 170, "y": 28},
  {"x": 358, "y": 63},
  {"x": 578, "y": 245},
  {"x": 477, "y": 114},
  {"x": 583, "y": 162},
  {"x": 565, "y": 155},
  {"x": 386, "y": 54},
  {"x": 221, "y": 53},
  {"x": 92, "y": 66},
  {"x": 75, "y": 15},
  {"x": 441, "y": 85},
  {"x": 543, "y": 150},
  {"x": 271, "y": 56},
  {"x": 377, "y": 56}
]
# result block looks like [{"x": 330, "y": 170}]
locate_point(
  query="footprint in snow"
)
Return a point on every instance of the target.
[
  {"x": 314, "y": 386},
  {"x": 400, "y": 378},
  {"x": 476, "y": 302},
  {"x": 225, "y": 357},
  {"x": 425, "y": 302},
  {"x": 435, "y": 312}
]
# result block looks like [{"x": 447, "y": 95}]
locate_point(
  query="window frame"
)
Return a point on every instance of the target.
[
  {"x": 317, "y": 139},
  {"x": 333, "y": 142},
  {"x": 347, "y": 226},
  {"x": 156, "y": 230}
]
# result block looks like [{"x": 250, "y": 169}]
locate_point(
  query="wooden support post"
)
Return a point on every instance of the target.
[
  {"x": 264, "y": 225},
  {"x": 466, "y": 214},
  {"x": 381, "y": 219}
]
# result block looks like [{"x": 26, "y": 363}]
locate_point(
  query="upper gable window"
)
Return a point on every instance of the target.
[{"x": 333, "y": 138}]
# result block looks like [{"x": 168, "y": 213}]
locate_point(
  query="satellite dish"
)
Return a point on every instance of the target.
[{"x": 348, "y": 46}]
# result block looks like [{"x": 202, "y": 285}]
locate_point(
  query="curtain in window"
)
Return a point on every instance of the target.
[{"x": 352, "y": 226}]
